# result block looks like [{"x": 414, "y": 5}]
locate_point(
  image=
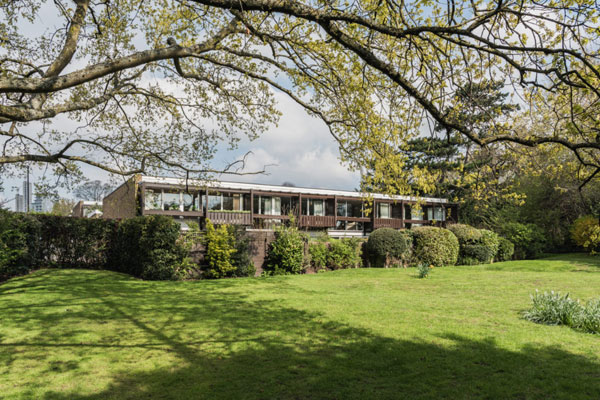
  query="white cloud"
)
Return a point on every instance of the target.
[{"x": 302, "y": 148}]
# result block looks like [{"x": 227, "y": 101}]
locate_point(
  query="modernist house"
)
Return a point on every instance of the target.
[
  {"x": 340, "y": 213},
  {"x": 87, "y": 209}
]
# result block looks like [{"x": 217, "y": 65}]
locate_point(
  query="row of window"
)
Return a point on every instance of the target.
[{"x": 175, "y": 200}]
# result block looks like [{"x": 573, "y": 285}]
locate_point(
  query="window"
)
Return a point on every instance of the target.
[
  {"x": 315, "y": 207},
  {"x": 342, "y": 209},
  {"x": 214, "y": 202},
  {"x": 436, "y": 213},
  {"x": 191, "y": 201},
  {"x": 171, "y": 200},
  {"x": 269, "y": 205},
  {"x": 153, "y": 199},
  {"x": 351, "y": 209},
  {"x": 384, "y": 210}
]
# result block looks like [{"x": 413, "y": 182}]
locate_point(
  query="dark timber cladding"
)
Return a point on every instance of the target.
[{"x": 343, "y": 213}]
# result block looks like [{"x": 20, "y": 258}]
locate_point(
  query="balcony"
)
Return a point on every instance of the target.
[
  {"x": 229, "y": 217},
  {"x": 394, "y": 223},
  {"x": 314, "y": 221}
]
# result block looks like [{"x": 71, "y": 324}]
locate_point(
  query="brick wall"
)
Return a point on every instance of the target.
[{"x": 122, "y": 202}]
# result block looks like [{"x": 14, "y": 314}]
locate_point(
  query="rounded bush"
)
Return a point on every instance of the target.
[
  {"x": 435, "y": 246},
  {"x": 506, "y": 249},
  {"x": 466, "y": 234},
  {"x": 585, "y": 231},
  {"x": 476, "y": 254},
  {"x": 286, "y": 252},
  {"x": 386, "y": 245}
]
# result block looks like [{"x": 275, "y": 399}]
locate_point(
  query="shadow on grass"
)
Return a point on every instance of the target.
[{"x": 228, "y": 346}]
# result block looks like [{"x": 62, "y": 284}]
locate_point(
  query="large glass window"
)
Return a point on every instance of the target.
[
  {"x": 315, "y": 207},
  {"x": 171, "y": 200},
  {"x": 153, "y": 199},
  {"x": 214, "y": 202},
  {"x": 349, "y": 209},
  {"x": 384, "y": 210},
  {"x": 270, "y": 205},
  {"x": 436, "y": 213},
  {"x": 191, "y": 201}
]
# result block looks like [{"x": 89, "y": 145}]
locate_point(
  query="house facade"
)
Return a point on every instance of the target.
[{"x": 258, "y": 206}]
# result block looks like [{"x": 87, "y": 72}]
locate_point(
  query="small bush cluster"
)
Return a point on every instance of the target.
[
  {"x": 286, "y": 252},
  {"x": 435, "y": 246},
  {"x": 386, "y": 247},
  {"x": 423, "y": 270},
  {"x": 552, "y": 308},
  {"x": 585, "y": 232},
  {"x": 476, "y": 246},
  {"x": 328, "y": 253},
  {"x": 227, "y": 252}
]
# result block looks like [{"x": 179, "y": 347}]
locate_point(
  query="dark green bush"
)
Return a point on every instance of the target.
[
  {"x": 67, "y": 242},
  {"x": 286, "y": 252},
  {"x": 148, "y": 247},
  {"x": 506, "y": 249},
  {"x": 529, "y": 239},
  {"x": 318, "y": 254},
  {"x": 241, "y": 259},
  {"x": 387, "y": 246},
  {"x": 435, "y": 246},
  {"x": 344, "y": 253},
  {"x": 476, "y": 246},
  {"x": 15, "y": 246}
]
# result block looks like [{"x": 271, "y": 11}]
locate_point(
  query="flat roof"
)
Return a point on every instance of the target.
[{"x": 283, "y": 189}]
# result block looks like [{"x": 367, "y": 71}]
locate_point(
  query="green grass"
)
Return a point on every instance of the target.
[{"x": 366, "y": 333}]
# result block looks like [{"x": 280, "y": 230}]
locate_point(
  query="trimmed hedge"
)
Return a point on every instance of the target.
[
  {"x": 476, "y": 246},
  {"x": 435, "y": 246},
  {"x": 148, "y": 247},
  {"x": 387, "y": 246}
]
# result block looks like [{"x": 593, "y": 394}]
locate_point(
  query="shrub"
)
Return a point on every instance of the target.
[
  {"x": 506, "y": 249},
  {"x": 386, "y": 246},
  {"x": 435, "y": 246},
  {"x": 466, "y": 234},
  {"x": 241, "y": 258},
  {"x": 344, "y": 253},
  {"x": 585, "y": 232},
  {"x": 67, "y": 242},
  {"x": 318, "y": 254},
  {"x": 220, "y": 248},
  {"x": 423, "y": 270},
  {"x": 557, "y": 309},
  {"x": 135, "y": 249},
  {"x": 286, "y": 252},
  {"x": 553, "y": 309},
  {"x": 589, "y": 318},
  {"x": 529, "y": 239}
]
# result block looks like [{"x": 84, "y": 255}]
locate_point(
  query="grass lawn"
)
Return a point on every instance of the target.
[{"x": 365, "y": 333}]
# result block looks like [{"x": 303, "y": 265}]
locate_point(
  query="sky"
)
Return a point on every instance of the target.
[{"x": 299, "y": 150}]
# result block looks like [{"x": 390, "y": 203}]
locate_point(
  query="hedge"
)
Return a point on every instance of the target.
[
  {"x": 146, "y": 247},
  {"x": 387, "y": 246},
  {"x": 435, "y": 246},
  {"x": 506, "y": 249},
  {"x": 476, "y": 246}
]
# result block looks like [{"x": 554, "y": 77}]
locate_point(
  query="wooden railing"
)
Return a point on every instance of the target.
[
  {"x": 388, "y": 223},
  {"x": 317, "y": 221},
  {"x": 232, "y": 218}
]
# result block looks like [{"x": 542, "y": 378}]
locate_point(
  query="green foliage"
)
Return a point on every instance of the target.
[
  {"x": 552, "y": 308},
  {"x": 529, "y": 239},
  {"x": 149, "y": 248},
  {"x": 423, "y": 270},
  {"x": 387, "y": 246},
  {"x": 220, "y": 247},
  {"x": 344, "y": 253},
  {"x": 435, "y": 246},
  {"x": 241, "y": 258},
  {"x": 506, "y": 249},
  {"x": 476, "y": 246},
  {"x": 585, "y": 231},
  {"x": 286, "y": 252},
  {"x": 318, "y": 254},
  {"x": 67, "y": 242}
]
